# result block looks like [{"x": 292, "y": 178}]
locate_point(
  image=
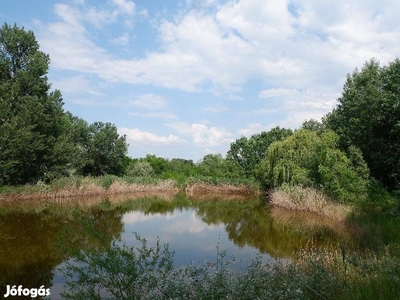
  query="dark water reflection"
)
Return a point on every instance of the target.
[{"x": 35, "y": 238}]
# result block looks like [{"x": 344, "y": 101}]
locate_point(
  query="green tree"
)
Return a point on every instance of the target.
[
  {"x": 103, "y": 149},
  {"x": 368, "y": 116},
  {"x": 216, "y": 166},
  {"x": 313, "y": 160},
  {"x": 313, "y": 125},
  {"x": 248, "y": 153},
  {"x": 159, "y": 164},
  {"x": 33, "y": 144}
]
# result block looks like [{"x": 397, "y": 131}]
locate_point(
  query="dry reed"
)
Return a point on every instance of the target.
[
  {"x": 90, "y": 187},
  {"x": 308, "y": 200},
  {"x": 215, "y": 189}
]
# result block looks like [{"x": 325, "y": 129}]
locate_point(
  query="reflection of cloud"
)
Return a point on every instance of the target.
[
  {"x": 193, "y": 225},
  {"x": 138, "y": 217}
]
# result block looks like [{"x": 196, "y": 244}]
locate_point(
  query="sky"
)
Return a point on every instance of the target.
[{"x": 182, "y": 79}]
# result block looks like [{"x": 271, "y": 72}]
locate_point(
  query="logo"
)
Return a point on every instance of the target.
[{"x": 21, "y": 291}]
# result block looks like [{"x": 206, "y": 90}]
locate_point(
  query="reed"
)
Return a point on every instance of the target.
[
  {"x": 308, "y": 200},
  {"x": 87, "y": 186},
  {"x": 211, "y": 185}
]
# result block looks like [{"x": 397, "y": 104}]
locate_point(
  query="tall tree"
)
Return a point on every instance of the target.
[
  {"x": 33, "y": 145},
  {"x": 309, "y": 159},
  {"x": 368, "y": 116},
  {"x": 103, "y": 149},
  {"x": 248, "y": 153}
]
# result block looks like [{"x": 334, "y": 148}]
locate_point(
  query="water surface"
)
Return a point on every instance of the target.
[{"x": 37, "y": 237}]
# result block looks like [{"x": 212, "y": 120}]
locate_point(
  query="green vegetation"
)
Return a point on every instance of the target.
[
  {"x": 246, "y": 154},
  {"x": 38, "y": 140},
  {"x": 144, "y": 272},
  {"x": 368, "y": 117},
  {"x": 313, "y": 160}
]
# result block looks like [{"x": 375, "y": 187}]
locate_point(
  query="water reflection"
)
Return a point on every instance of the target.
[{"x": 37, "y": 237}]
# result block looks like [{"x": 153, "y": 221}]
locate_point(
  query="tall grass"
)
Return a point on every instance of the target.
[
  {"x": 87, "y": 186},
  {"x": 309, "y": 200},
  {"x": 206, "y": 185}
]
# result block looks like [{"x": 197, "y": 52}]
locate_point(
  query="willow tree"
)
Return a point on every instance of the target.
[
  {"x": 247, "y": 153},
  {"x": 313, "y": 160}
]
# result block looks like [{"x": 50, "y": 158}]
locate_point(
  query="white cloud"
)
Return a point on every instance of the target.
[
  {"x": 100, "y": 17},
  {"x": 121, "y": 40},
  {"x": 149, "y": 101},
  {"x": 147, "y": 138},
  {"x": 253, "y": 128},
  {"x": 125, "y": 6},
  {"x": 240, "y": 40},
  {"x": 76, "y": 85},
  {"x": 215, "y": 109},
  {"x": 202, "y": 135},
  {"x": 300, "y": 56},
  {"x": 156, "y": 115},
  {"x": 277, "y": 92}
]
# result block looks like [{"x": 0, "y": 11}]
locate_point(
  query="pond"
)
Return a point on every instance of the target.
[{"x": 36, "y": 237}]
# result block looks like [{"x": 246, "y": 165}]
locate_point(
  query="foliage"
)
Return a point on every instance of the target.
[
  {"x": 315, "y": 161},
  {"x": 216, "y": 166},
  {"x": 159, "y": 164},
  {"x": 33, "y": 144},
  {"x": 139, "y": 169},
  {"x": 368, "y": 116},
  {"x": 105, "y": 150},
  {"x": 248, "y": 153},
  {"x": 38, "y": 140},
  {"x": 313, "y": 125},
  {"x": 145, "y": 272}
]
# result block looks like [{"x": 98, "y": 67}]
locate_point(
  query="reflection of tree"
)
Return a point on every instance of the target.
[
  {"x": 250, "y": 223},
  {"x": 33, "y": 244}
]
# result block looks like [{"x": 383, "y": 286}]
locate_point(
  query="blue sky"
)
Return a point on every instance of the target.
[{"x": 186, "y": 78}]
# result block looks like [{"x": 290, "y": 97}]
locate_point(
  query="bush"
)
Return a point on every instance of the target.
[{"x": 140, "y": 169}]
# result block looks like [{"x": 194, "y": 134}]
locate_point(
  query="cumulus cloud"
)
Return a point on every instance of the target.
[
  {"x": 149, "y": 101},
  {"x": 121, "y": 40},
  {"x": 240, "y": 40},
  {"x": 147, "y": 138},
  {"x": 155, "y": 115},
  {"x": 202, "y": 135},
  {"x": 299, "y": 51},
  {"x": 215, "y": 109},
  {"x": 125, "y": 6}
]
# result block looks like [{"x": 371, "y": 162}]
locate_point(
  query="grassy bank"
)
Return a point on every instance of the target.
[
  {"x": 87, "y": 186},
  {"x": 210, "y": 185},
  {"x": 110, "y": 185},
  {"x": 308, "y": 200}
]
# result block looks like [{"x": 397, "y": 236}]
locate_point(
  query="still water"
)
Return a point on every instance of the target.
[{"x": 37, "y": 237}]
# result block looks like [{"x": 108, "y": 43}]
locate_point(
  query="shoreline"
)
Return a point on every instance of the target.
[{"x": 88, "y": 187}]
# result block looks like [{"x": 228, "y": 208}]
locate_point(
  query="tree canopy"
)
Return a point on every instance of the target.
[
  {"x": 32, "y": 121},
  {"x": 313, "y": 160},
  {"x": 247, "y": 153},
  {"x": 38, "y": 140},
  {"x": 368, "y": 116}
]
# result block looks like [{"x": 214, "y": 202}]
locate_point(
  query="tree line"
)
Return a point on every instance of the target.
[{"x": 356, "y": 144}]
